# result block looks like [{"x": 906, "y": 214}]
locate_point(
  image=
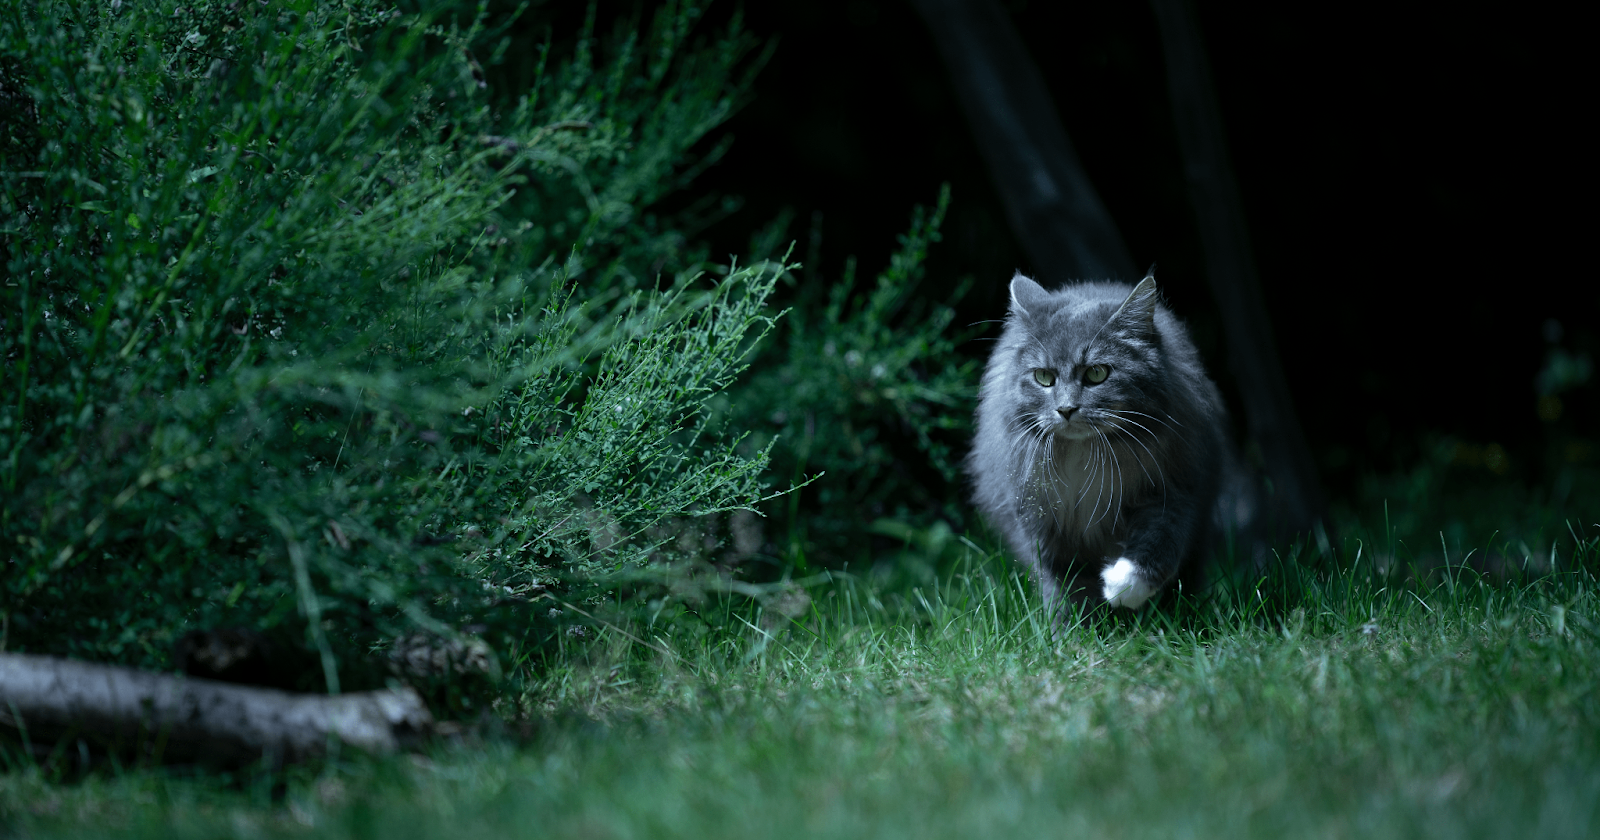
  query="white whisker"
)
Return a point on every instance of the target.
[
  {"x": 1113, "y": 504},
  {"x": 1153, "y": 459},
  {"x": 1117, "y": 487},
  {"x": 1085, "y": 492},
  {"x": 1152, "y": 417},
  {"x": 1099, "y": 483}
]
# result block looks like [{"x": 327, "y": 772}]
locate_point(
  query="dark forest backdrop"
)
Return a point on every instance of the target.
[
  {"x": 544, "y": 381},
  {"x": 345, "y": 344},
  {"x": 1411, "y": 172}
]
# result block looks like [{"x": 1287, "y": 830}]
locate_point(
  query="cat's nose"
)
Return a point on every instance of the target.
[{"x": 1067, "y": 412}]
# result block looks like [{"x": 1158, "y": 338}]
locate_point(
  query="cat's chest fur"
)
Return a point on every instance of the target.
[{"x": 1074, "y": 494}]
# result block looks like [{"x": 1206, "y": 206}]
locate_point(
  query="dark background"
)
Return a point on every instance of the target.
[{"x": 1411, "y": 176}]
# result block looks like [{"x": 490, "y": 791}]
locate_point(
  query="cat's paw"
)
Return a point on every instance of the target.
[{"x": 1124, "y": 586}]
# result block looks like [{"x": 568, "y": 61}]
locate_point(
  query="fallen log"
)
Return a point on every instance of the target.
[{"x": 174, "y": 718}]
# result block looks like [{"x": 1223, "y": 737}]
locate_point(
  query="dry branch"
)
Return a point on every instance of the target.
[{"x": 168, "y": 717}]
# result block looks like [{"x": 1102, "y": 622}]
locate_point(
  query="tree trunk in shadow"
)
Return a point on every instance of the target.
[
  {"x": 1052, "y": 207},
  {"x": 1294, "y": 499}
]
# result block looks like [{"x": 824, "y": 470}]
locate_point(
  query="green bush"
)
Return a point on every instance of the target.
[
  {"x": 316, "y": 327},
  {"x": 303, "y": 334},
  {"x": 870, "y": 389}
]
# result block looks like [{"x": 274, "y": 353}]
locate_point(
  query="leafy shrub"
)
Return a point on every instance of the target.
[
  {"x": 301, "y": 334},
  {"x": 871, "y": 388}
]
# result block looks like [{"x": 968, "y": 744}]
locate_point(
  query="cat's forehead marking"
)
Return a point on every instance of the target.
[
  {"x": 1084, "y": 308},
  {"x": 1072, "y": 327}
]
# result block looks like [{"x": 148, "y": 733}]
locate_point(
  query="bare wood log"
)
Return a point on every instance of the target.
[
  {"x": 183, "y": 719},
  {"x": 1295, "y": 502},
  {"x": 1051, "y": 204}
]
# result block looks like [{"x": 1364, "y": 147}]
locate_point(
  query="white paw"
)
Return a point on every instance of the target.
[{"x": 1123, "y": 585}]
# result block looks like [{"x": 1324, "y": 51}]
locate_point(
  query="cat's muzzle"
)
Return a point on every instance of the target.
[{"x": 1071, "y": 426}]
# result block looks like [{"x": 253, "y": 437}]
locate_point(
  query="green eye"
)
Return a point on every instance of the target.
[
  {"x": 1044, "y": 377},
  {"x": 1096, "y": 374}
]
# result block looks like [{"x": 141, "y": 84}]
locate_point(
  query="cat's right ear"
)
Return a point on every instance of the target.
[
  {"x": 1138, "y": 311},
  {"x": 1027, "y": 295}
]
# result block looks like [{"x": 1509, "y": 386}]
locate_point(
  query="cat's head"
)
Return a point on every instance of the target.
[{"x": 1087, "y": 358}]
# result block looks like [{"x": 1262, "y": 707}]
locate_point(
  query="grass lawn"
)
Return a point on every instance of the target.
[{"x": 1340, "y": 697}]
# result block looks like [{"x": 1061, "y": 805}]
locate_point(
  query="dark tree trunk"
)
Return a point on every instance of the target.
[
  {"x": 1052, "y": 207},
  {"x": 164, "y": 717},
  {"x": 1294, "y": 499}
]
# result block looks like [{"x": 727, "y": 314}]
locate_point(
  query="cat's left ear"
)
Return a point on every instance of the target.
[
  {"x": 1027, "y": 295},
  {"x": 1138, "y": 311}
]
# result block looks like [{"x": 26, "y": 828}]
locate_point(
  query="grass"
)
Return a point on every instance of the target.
[{"x": 1328, "y": 699}]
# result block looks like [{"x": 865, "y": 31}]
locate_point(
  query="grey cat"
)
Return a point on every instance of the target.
[{"x": 1101, "y": 442}]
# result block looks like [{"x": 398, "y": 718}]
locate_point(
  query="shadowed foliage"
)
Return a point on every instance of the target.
[{"x": 303, "y": 334}]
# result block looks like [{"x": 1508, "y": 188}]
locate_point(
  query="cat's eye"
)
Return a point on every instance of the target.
[
  {"x": 1044, "y": 377},
  {"x": 1096, "y": 374}
]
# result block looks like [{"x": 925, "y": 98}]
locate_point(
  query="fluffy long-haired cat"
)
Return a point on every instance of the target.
[{"x": 1101, "y": 442}]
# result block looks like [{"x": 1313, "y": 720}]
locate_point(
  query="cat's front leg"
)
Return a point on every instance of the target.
[
  {"x": 1034, "y": 556},
  {"x": 1158, "y": 539}
]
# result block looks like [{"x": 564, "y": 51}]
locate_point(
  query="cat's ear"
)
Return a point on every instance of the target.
[
  {"x": 1026, "y": 295},
  {"x": 1138, "y": 312}
]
